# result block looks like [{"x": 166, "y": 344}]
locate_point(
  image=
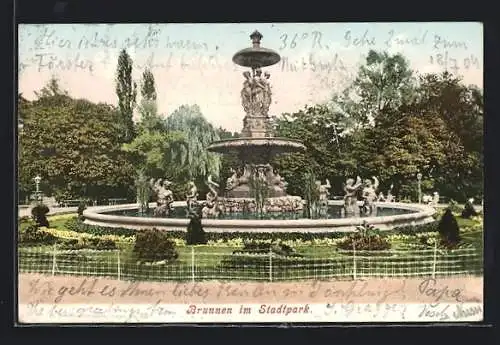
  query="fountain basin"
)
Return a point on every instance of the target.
[
  {"x": 420, "y": 214},
  {"x": 272, "y": 145}
]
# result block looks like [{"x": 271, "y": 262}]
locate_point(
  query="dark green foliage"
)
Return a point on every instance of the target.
[
  {"x": 449, "y": 230},
  {"x": 154, "y": 245},
  {"x": 39, "y": 214},
  {"x": 195, "y": 233},
  {"x": 468, "y": 210},
  {"x": 84, "y": 141},
  {"x": 148, "y": 89},
  {"x": 365, "y": 238},
  {"x": 75, "y": 224},
  {"x": 33, "y": 235}
]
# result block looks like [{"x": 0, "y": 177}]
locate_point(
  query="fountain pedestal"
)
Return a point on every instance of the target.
[{"x": 257, "y": 145}]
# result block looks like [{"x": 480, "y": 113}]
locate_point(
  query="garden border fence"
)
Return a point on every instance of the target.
[{"x": 201, "y": 264}]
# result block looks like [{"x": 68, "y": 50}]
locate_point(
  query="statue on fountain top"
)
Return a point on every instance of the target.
[{"x": 256, "y": 93}]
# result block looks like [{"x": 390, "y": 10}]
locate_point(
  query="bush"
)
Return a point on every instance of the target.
[
  {"x": 469, "y": 210},
  {"x": 448, "y": 229},
  {"x": 195, "y": 233},
  {"x": 34, "y": 235},
  {"x": 365, "y": 238},
  {"x": 39, "y": 214},
  {"x": 154, "y": 245}
]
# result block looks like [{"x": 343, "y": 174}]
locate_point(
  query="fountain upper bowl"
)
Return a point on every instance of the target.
[{"x": 275, "y": 145}]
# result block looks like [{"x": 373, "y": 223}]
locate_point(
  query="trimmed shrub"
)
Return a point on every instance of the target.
[
  {"x": 195, "y": 233},
  {"x": 469, "y": 210},
  {"x": 448, "y": 229},
  {"x": 154, "y": 245},
  {"x": 39, "y": 214}
]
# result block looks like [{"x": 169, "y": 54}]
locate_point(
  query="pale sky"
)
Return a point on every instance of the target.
[{"x": 192, "y": 62}]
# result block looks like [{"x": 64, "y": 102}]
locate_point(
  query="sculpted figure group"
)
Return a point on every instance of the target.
[
  {"x": 368, "y": 190},
  {"x": 213, "y": 206},
  {"x": 256, "y": 92}
]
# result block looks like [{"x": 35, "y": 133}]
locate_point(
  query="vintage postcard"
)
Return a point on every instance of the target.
[{"x": 250, "y": 172}]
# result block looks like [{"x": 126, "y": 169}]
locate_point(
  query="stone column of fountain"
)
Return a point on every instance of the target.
[{"x": 257, "y": 145}]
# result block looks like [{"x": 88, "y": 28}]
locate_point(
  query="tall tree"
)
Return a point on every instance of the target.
[
  {"x": 148, "y": 88},
  {"x": 74, "y": 145},
  {"x": 150, "y": 120},
  {"x": 199, "y": 133},
  {"x": 126, "y": 90},
  {"x": 383, "y": 82}
]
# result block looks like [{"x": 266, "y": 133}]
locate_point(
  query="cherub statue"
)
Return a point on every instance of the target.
[
  {"x": 390, "y": 197},
  {"x": 351, "y": 187},
  {"x": 381, "y": 197},
  {"x": 211, "y": 207},
  {"x": 369, "y": 195},
  {"x": 191, "y": 196},
  {"x": 323, "y": 190}
]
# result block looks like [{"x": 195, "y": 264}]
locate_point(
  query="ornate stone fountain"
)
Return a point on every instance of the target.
[
  {"x": 257, "y": 145},
  {"x": 256, "y": 149}
]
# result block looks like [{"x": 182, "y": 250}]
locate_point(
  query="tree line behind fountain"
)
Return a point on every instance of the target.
[{"x": 316, "y": 196}]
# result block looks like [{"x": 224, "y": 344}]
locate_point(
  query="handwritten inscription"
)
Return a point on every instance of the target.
[
  {"x": 429, "y": 287},
  {"x": 448, "y": 312},
  {"x": 100, "y": 312},
  {"x": 53, "y": 50},
  {"x": 133, "y": 301},
  {"x": 313, "y": 64},
  {"x": 378, "y": 311},
  {"x": 49, "y": 61},
  {"x": 450, "y": 62},
  {"x": 367, "y": 39},
  {"x": 48, "y": 39}
]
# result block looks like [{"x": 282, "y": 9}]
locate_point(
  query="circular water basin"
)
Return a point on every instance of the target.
[{"x": 386, "y": 217}]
